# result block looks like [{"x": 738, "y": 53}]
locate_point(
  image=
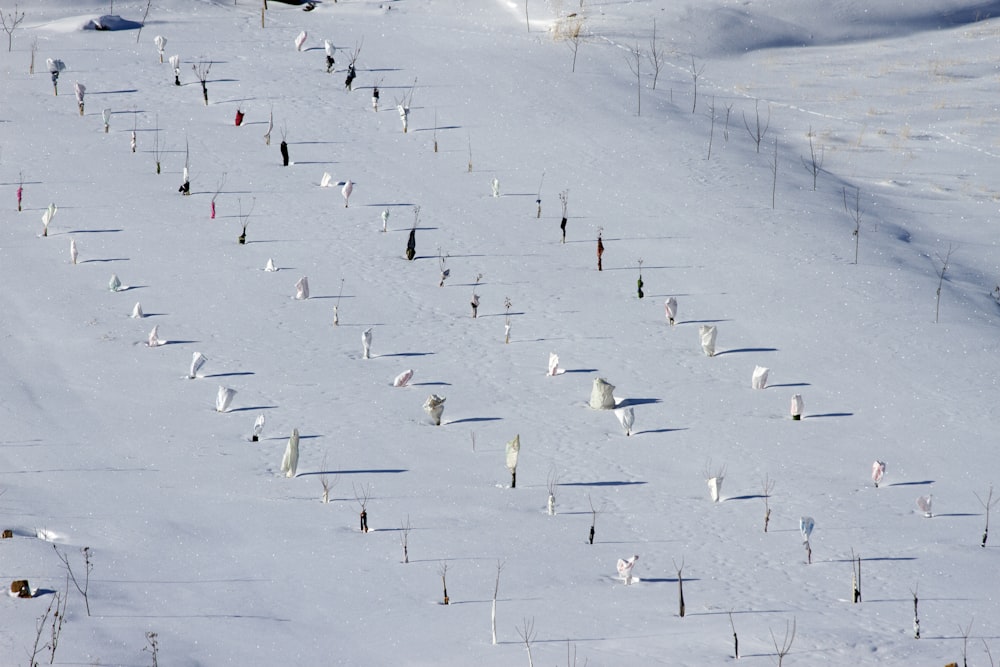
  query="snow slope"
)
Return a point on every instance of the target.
[{"x": 195, "y": 534}]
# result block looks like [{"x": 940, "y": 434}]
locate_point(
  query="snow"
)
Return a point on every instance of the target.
[{"x": 197, "y": 536}]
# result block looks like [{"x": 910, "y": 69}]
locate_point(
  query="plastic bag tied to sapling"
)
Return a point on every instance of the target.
[
  {"x": 403, "y": 378},
  {"x": 302, "y": 288},
  {"x": 258, "y": 428},
  {"x": 602, "y": 395},
  {"x": 434, "y": 407},
  {"x": 553, "y": 364},
  {"x": 670, "y": 310},
  {"x": 625, "y": 567},
  {"x": 366, "y": 343},
  {"x": 224, "y": 398},
  {"x": 878, "y": 472},
  {"x": 290, "y": 461},
  {"x": 197, "y": 361},
  {"x": 759, "y": 378},
  {"x": 796, "y": 407},
  {"x": 707, "y": 333},
  {"x": 626, "y": 417}
]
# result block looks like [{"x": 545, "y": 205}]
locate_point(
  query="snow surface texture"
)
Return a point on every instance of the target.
[{"x": 196, "y": 535}]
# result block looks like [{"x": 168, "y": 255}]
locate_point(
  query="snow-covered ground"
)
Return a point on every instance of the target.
[{"x": 195, "y": 534}]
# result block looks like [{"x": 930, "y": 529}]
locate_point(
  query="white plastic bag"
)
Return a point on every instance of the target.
[{"x": 602, "y": 395}]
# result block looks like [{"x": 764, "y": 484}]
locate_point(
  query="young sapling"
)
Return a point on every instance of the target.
[
  {"x": 411, "y": 242},
  {"x": 538, "y": 198},
  {"x": 385, "y": 220},
  {"x": 855, "y": 578},
  {"x": 680, "y": 588},
  {"x": 564, "y": 200},
  {"x": 20, "y": 190},
  {"x": 270, "y": 126},
  {"x": 185, "y": 188},
  {"x": 767, "y": 486},
  {"x": 786, "y": 645},
  {"x": 404, "y": 538},
  {"x": 526, "y": 631},
  {"x": 493, "y": 606},
  {"x": 988, "y": 504},
  {"x": 362, "y": 496},
  {"x": 600, "y": 249},
  {"x": 88, "y": 567},
  {"x": 445, "y": 272},
  {"x": 10, "y": 21},
  {"x": 352, "y": 72},
  {"x": 222, "y": 182},
  {"x": 283, "y": 146},
  {"x": 551, "y": 482},
  {"x": 475, "y": 297},
  {"x": 916, "y": 615},
  {"x": 201, "y": 70},
  {"x": 593, "y": 520},
  {"x": 336, "y": 306},
  {"x": 639, "y": 282},
  {"x": 244, "y": 219},
  {"x": 375, "y": 98},
  {"x": 443, "y": 571}
]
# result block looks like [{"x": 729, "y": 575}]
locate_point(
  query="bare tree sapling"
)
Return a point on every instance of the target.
[
  {"x": 940, "y": 272},
  {"x": 786, "y": 644},
  {"x": 201, "y": 70},
  {"x": 759, "y": 129},
  {"x": 695, "y": 73},
  {"x": 362, "y": 496},
  {"x": 443, "y": 571},
  {"x": 987, "y": 504},
  {"x": 10, "y": 21},
  {"x": 815, "y": 163}
]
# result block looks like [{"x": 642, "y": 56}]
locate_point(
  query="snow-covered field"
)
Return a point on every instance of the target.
[{"x": 196, "y": 535}]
